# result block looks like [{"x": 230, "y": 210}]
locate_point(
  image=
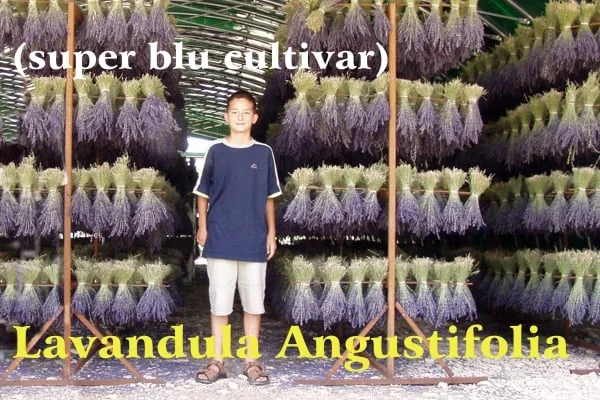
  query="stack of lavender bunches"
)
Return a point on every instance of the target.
[
  {"x": 541, "y": 204},
  {"x": 563, "y": 284},
  {"x": 112, "y": 116},
  {"x": 335, "y": 290},
  {"x": 129, "y": 291},
  {"x": 551, "y": 125},
  {"x": 117, "y": 202},
  {"x": 338, "y": 202},
  {"x": 351, "y": 115},
  {"x": 432, "y": 36},
  {"x": 560, "y": 46}
]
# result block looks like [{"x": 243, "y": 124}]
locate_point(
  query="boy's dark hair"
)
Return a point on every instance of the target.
[{"x": 242, "y": 94}]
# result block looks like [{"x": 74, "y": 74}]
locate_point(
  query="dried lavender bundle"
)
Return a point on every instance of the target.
[
  {"x": 426, "y": 305},
  {"x": 452, "y": 219},
  {"x": 406, "y": 119},
  {"x": 9, "y": 25},
  {"x": 472, "y": 30},
  {"x": 123, "y": 306},
  {"x": 513, "y": 299},
  {"x": 588, "y": 49},
  {"x": 81, "y": 206},
  {"x": 82, "y": 300},
  {"x": 352, "y": 203},
  {"x": 569, "y": 130},
  {"x": 128, "y": 124},
  {"x": 357, "y": 26},
  {"x": 299, "y": 209},
  {"x": 333, "y": 306},
  {"x": 332, "y": 116},
  {"x": 35, "y": 116},
  {"x": 537, "y": 55},
  {"x": 55, "y": 26},
  {"x": 26, "y": 219},
  {"x": 411, "y": 35},
  {"x": 55, "y": 117},
  {"x": 478, "y": 184},
  {"x": 435, "y": 32},
  {"x": 34, "y": 32},
  {"x": 578, "y": 216},
  {"x": 588, "y": 124},
  {"x": 355, "y": 115},
  {"x": 503, "y": 291},
  {"x": 138, "y": 26},
  {"x": 156, "y": 304},
  {"x": 52, "y": 304},
  {"x": 533, "y": 260},
  {"x": 594, "y": 308},
  {"x": 407, "y": 211},
  {"x": 381, "y": 22},
  {"x": 160, "y": 27},
  {"x": 375, "y": 298},
  {"x": 426, "y": 115},
  {"x": 102, "y": 208},
  {"x": 542, "y": 302},
  {"x": 375, "y": 177},
  {"x": 551, "y": 144},
  {"x": 9, "y": 297},
  {"x": 563, "y": 288},
  {"x": 356, "y": 307},
  {"x": 299, "y": 115},
  {"x": 443, "y": 272},
  {"x": 9, "y": 207},
  {"x": 594, "y": 222},
  {"x": 327, "y": 211},
  {"x": 404, "y": 293},
  {"x": 92, "y": 32},
  {"x": 503, "y": 222},
  {"x": 116, "y": 29},
  {"x": 84, "y": 88},
  {"x": 120, "y": 217},
  {"x": 524, "y": 115},
  {"x": 559, "y": 207},
  {"x": 150, "y": 211},
  {"x": 535, "y": 144},
  {"x": 454, "y": 32},
  {"x": 525, "y": 40},
  {"x": 449, "y": 122},
  {"x": 297, "y": 30},
  {"x": 51, "y": 214},
  {"x": 496, "y": 283},
  {"x": 28, "y": 307},
  {"x": 578, "y": 303},
  {"x": 473, "y": 125},
  {"x": 430, "y": 213},
  {"x": 100, "y": 119},
  {"x": 463, "y": 303},
  {"x": 535, "y": 218},
  {"x": 378, "y": 109},
  {"x": 305, "y": 306},
  {"x": 104, "y": 270},
  {"x": 564, "y": 49},
  {"x": 315, "y": 21}
]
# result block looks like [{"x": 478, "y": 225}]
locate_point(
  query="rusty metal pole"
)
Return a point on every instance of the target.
[
  {"x": 71, "y": 9},
  {"x": 391, "y": 316}
]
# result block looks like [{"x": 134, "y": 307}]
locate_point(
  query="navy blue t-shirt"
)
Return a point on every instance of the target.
[{"x": 237, "y": 182}]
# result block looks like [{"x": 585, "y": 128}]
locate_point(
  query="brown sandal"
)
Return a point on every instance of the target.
[
  {"x": 260, "y": 373},
  {"x": 210, "y": 374}
]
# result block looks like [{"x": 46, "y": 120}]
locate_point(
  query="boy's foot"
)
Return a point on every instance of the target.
[
  {"x": 214, "y": 371},
  {"x": 256, "y": 374}
]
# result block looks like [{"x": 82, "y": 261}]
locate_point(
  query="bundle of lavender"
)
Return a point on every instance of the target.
[
  {"x": 9, "y": 179},
  {"x": 426, "y": 305},
  {"x": 150, "y": 211},
  {"x": 28, "y": 306},
  {"x": 430, "y": 213},
  {"x": 26, "y": 218},
  {"x": 100, "y": 118},
  {"x": 51, "y": 213},
  {"x": 375, "y": 298},
  {"x": 120, "y": 217},
  {"x": 81, "y": 206},
  {"x": 52, "y": 304},
  {"x": 374, "y": 177},
  {"x": 299, "y": 209},
  {"x": 123, "y": 306},
  {"x": 443, "y": 271},
  {"x": 33, "y": 124},
  {"x": 82, "y": 299},
  {"x": 356, "y": 307},
  {"x": 579, "y": 207},
  {"x": 407, "y": 210},
  {"x": 463, "y": 303},
  {"x": 327, "y": 214},
  {"x": 577, "y": 305},
  {"x": 351, "y": 201},
  {"x": 404, "y": 293},
  {"x": 102, "y": 207},
  {"x": 535, "y": 218},
  {"x": 156, "y": 304},
  {"x": 302, "y": 305},
  {"x": 333, "y": 304},
  {"x": 452, "y": 218},
  {"x": 8, "y": 299},
  {"x": 10, "y": 25},
  {"x": 101, "y": 311}
]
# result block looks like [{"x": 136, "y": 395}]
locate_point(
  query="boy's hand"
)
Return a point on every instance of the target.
[
  {"x": 271, "y": 246},
  {"x": 201, "y": 236}
]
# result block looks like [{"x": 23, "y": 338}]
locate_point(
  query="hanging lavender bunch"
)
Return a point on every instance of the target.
[
  {"x": 406, "y": 119},
  {"x": 55, "y": 26},
  {"x": 28, "y": 307},
  {"x": 10, "y": 294},
  {"x": 161, "y": 29},
  {"x": 333, "y": 305},
  {"x": 564, "y": 49},
  {"x": 156, "y": 304},
  {"x": 502, "y": 223},
  {"x": 138, "y": 26},
  {"x": 563, "y": 288},
  {"x": 375, "y": 298},
  {"x": 588, "y": 49},
  {"x": 92, "y": 32},
  {"x": 299, "y": 209},
  {"x": 453, "y": 215},
  {"x": 327, "y": 213},
  {"x": 519, "y": 203},
  {"x": 352, "y": 203},
  {"x": 356, "y": 307},
  {"x": 304, "y": 305},
  {"x": 435, "y": 32},
  {"x": 443, "y": 272},
  {"x": 35, "y": 115},
  {"x": 315, "y": 21},
  {"x": 594, "y": 222},
  {"x": 503, "y": 291},
  {"x": 463, "y": 303},
  {"x": 532, "y": 259},
  {"x": 546, "y": 70},
  {"x": 128, "y": 124},
  {"x": 430, "y": 217},
  {"x": 150, "y": 211},
  {"x": 52, "y": 303},
  {"x": 8, "y": 204},
  {"x": 594, "y": 308},
  {"x": 101, "y": 308},
  {"x": 472, "y": 30},
  {"x": 404, "y": 293},
  {"x": 116, "y": 29},
  {"x": 407, "y": 211},
  {"x": 588, "y": 124},
  {"x": 52, "y": 211},
  {"x": 332, "y": 116},
  {"x": 535, "y": 145},
  {"x": 121, "y": 211},
  {"x": 578, "y": 303},
  {"x": 375, "y": 177},
  {"x": 378, "y": 109},
  {"x": 27, "y": 216},
  {"x": 9, "y": 25},
  {"x": 357, "y": 27},
  {"x": 569, "y": 129},
  {"x": 82, "y": 300},
  {"x": 81, "y": 206},
  {"x": 355, "y": 116},
  {"x": 100, "y": 119},
  {"x": 425, "y": 304},
  {"x": 454, "y": 32},
  {"x": 297, "y": 30},
  {"x": 478, "y": 184},
  {"x": 426, "y": 114},
  {"x": 381, "y": 23},
  {"x": 497, "y": 267},
  {"x": 516, "y": 292},
  {"x": 102, "y": 208},
  {"x": 55, "y": 117},
  {"x": 449, "y": 122},
  {"x": 299, "y": 115},
  {"x": 411, "y": 35},
  {"x": 34, "y": 32},
  {"x": 558, "y": 208},
  {"x": 543, "y": 296},
  {"x": 551, "y": 142},
  {"x": 535, "y": 218},
  {"x": 473, "y": 125},
  {"x": 84, "y": 88},
  {"x": 537, "y": 55},
  {"x": 123, "y": 306},
  {"x": 578, "y": 216}
]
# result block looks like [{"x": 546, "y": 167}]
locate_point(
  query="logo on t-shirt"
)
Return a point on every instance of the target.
[{"x": 254, "y": 166}]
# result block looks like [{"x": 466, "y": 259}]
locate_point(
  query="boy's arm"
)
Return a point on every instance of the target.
[
  {"x": 202, "y": 210},
  {"x": 271, "y": 233}
]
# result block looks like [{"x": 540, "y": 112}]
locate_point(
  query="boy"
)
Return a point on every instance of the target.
[{"x": 239, "y": 182}]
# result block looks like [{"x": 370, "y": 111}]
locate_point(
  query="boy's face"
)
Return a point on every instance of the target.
[{"x": 241, "y": 116}]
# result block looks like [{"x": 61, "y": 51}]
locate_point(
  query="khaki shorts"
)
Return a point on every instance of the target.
[{"x": 251, "y": 282}]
